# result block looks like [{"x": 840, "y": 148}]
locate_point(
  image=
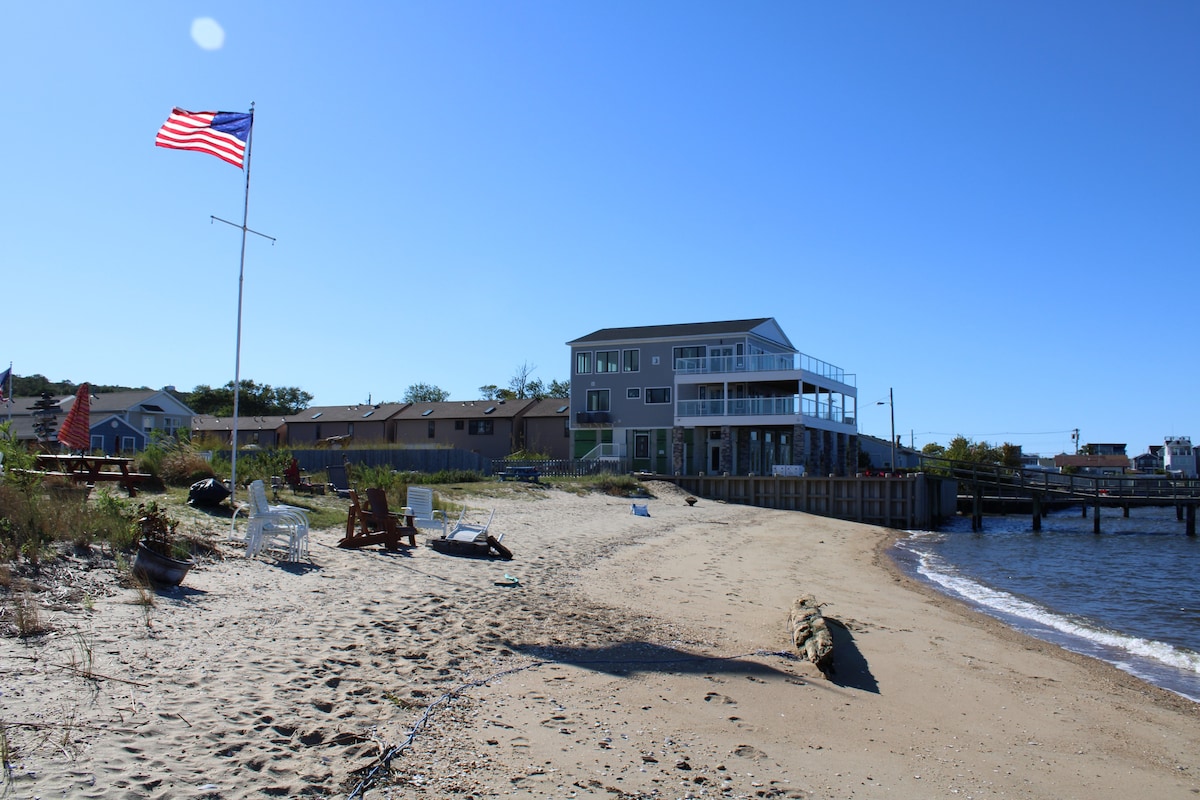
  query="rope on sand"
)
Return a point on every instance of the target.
[{"x": 386, "y": 758}]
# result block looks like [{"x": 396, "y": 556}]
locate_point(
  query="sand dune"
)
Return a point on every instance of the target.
[{"x": 638, "y": 657}]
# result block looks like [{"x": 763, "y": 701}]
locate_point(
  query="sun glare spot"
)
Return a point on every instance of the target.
[{"x": 207, "y": 33}]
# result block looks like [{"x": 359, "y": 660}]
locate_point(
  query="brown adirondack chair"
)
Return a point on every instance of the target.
[{"x": 379, "y": 526}]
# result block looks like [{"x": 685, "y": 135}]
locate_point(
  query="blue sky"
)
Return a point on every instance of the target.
[{"x": 990, "y": 208}]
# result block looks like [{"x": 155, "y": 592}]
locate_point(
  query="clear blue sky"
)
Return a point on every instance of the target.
[{"x": 992, "y": 208}]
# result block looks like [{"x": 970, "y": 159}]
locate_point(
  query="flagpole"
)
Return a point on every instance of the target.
[{"x": 237, "y": 359}]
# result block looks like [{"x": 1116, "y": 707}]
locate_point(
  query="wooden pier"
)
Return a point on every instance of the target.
[{"x": 991, "y": 486}]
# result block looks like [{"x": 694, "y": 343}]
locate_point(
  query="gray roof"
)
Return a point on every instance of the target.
[{"x": 683, "y": 330}]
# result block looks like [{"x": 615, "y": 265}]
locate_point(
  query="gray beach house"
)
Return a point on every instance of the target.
[{"x": 730, "y": 397}]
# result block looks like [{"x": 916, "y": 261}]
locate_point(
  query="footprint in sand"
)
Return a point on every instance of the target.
[{"x": 718, "y": 697}]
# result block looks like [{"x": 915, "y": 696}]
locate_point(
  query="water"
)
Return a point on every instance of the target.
[{"x": 1129, "y": 595}]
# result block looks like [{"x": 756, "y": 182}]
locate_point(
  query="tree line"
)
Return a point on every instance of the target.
[{"x": 264, "y": 400}]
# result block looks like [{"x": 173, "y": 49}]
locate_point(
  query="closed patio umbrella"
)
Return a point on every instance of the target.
[{"x": 75, "y": 432}]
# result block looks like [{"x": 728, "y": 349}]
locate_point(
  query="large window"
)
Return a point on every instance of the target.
[
  {"x": 658, "y": 395},
  {"x": 597, "y": 400},
  {"x": 630, "y": 360},
  {"x": 688, "y": 352},
  {"x": 583, "y": 363},
  {"x": 606, "y": 360},
  {"x": 481, "y": 427}
]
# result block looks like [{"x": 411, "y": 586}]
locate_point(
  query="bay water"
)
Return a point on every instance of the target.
[{"x": 1129, "y": 595}]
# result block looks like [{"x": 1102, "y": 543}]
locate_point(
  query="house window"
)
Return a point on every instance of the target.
[
  {"x": 431, "y": 433},
  {"x": 688, "y": 352},
  {"x": 583, "y": 363},
  {"x": 658, "y": 395},
  {"x": 630, "y": 360},
  {"x": 458, "y": 424},
  {"x": 481, "y": 427},
  {"x": 567, "y": 428},
  {"x": 606, "y": 360},
  {"x": 633, "y": 393},
  {"x": 597, "y": 400},
  {"x": 128, "y": 445}
]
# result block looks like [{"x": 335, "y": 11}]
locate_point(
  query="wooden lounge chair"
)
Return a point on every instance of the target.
[{"x": 379, "y": 526}]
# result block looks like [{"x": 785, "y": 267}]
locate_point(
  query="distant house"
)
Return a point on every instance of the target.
[
  {"x": 732, "y": 397},
  {"x": 487, "y": 427},
  {"x": 1178, "y": 456},
  {"x": 266, "y": 432},
  {"x": 1149, "y": 461},
  {"x": 343, "y": 425},
  {"x": 120, "y": 422},
  {"x": 545, "y": 427},
  {"x": 1094, "y": 464},
  {"x": 880, "y": 453}
]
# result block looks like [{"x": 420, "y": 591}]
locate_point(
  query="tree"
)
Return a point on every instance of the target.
[
  {"x": 559, "y": 388},
  {"x": 489, "y": 391},
  {"x": 425, "y": 393},
  {"x": 521, "y": 379},
  {"x": 254, "y": 400}
]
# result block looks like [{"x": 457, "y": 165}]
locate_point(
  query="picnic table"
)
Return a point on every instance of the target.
[
  {"x": 92, "y": 469},
  {"x": 530, "y": 474}
]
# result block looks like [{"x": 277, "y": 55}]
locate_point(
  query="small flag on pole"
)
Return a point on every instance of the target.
[{"x": 219, "y": 133}]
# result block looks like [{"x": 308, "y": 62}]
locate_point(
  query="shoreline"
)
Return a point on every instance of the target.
[
  {"x": 1001, "y": 628},
  {"x": 638, "y": 657}
]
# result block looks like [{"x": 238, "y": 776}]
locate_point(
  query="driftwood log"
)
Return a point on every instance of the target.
[{"x": 810, "y": 632}]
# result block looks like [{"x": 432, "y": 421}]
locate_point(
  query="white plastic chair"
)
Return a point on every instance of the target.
[
  {"x": 280, "y": 528},
  {"x": 425, "y": 516},
  {"x": 466, "y": 532}
]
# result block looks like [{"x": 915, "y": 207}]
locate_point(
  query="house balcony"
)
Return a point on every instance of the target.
[
  {"x": 761, "y": 367},
  {"x": 764, "y": 411}
]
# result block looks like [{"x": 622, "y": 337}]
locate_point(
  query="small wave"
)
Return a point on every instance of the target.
[{"x": 1133, "y": 654}]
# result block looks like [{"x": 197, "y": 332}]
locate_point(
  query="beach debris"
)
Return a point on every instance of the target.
[
  {"x": 639, "y": 509},
  {"x": 509, "y": 580},
  {"x": 810, "y": 633}
]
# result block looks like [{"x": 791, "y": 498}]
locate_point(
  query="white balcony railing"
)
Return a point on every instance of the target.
[
  {"x": 762, "y": 407},
  {"x": 763, "y": 362}
]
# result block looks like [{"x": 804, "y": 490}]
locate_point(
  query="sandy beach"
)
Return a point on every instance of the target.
[{"x": 638, "y": 657}]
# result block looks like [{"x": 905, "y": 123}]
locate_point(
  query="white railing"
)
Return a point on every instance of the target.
[
  {"x": 604, "y": 450},
  {"x": 762, "y": 407},
  {"x": 762, "y": 362}
]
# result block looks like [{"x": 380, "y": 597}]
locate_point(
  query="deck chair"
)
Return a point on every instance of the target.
[
  {"x": 472, "y": 540},
  {"x": 420, "y": 500},
  {"x": 379, "y": 525},
  {"x": 282, "y": 529}
]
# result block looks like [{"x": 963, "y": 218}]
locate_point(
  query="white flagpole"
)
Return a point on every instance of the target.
[{"x": 237, "y": 359}]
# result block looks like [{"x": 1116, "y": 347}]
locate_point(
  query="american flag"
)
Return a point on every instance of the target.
[
  {"x": 219, "y": 133},
  {"x": 5, "y": 380}
]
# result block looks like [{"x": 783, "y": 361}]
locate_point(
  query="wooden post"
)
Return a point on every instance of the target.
[
  {"x": 1191, "y": 519},
  {"x": 1125, "y": 509},
  {"x": 1096, "y": 518},
  {"x": 977, "y": 510},
  {"x": 1037, "y": 512}
]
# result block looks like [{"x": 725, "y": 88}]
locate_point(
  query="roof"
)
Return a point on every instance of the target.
[
  {"x": 465, "y": 409},
  {"x": 355, "y": 413},
  {"x": 207, "y": 422},
  {"x": 549, "y": 407},
  {"x": 762, "y": 326}
]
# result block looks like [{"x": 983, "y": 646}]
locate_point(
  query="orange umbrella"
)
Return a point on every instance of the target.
[{"x": 75, "y": 432}]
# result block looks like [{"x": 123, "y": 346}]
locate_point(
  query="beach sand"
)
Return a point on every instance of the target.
[{"x": 638, "y": 657}]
